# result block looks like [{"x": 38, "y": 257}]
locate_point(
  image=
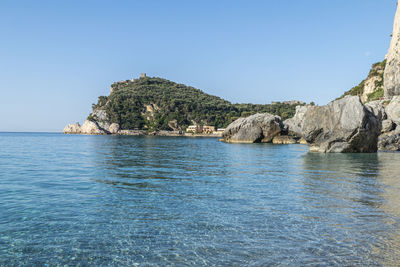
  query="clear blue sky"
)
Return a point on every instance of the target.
[{"x": 57, "y": 57}]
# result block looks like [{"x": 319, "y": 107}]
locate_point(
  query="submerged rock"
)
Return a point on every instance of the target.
[
  {"x": 284, "y": 139},
  {"x": 344, "y": 125},
  {"x": 253, "y": 129}
]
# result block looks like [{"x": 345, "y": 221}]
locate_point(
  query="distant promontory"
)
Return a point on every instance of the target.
[{"x": 151, "y": 105}]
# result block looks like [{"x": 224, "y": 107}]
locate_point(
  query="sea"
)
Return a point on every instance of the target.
[{"x": 77, "y": 200}]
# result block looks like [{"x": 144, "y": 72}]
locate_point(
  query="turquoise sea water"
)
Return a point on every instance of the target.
[{"x": 152, "y": 201}]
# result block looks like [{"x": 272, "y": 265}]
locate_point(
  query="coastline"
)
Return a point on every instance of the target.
[{"x": 156, "y": 133}]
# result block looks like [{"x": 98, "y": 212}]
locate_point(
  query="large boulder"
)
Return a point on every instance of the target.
[
  {"x": 344, "y": 125},
  {"x": 393, "y": 110},
  {"x": 114, "y": 128},
  {"x": 253, "y": 129},
  {"x": 392, "y": 70},
  {"x": 91, "y": 127},
  {"x": 72, "y": 128}
]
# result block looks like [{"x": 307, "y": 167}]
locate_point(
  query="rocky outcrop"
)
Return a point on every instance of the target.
[
  {"x": 97, "y": 123},
  {"x": 344, "y": 125},
  {"x": 114, "y": 128},
  {"x": 390, "y": 138},
  {"x": 377, "y": 108},
  {"x": 393, "y": 110},
  {"x": 72, "y": 128},
  {"x": 258, "y": 128},
  {"x": 91, "y": 127},
  {"x": 389, "y": 141},
  {"x": 387, "y": 126},
  {"x": 99, "y": 117},
  {"x": 392, "y": 71}
]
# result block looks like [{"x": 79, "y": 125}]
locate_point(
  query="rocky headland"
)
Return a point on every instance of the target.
[
  {"x": 364, "y": 119},
  {"x": 156, "y": 106}
]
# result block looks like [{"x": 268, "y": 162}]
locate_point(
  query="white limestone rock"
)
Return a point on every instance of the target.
[
  {"x": 72, "y": 128},
  {"x": 392, "y": 70},
  {"x": 91, "y": 127},
  {"x": 114, "y": 128}
]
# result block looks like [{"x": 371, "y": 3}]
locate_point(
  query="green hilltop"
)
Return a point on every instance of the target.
[{"x": 158, "y": 104}]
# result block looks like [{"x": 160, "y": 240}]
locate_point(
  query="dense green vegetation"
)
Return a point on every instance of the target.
[{"x": 172, "y": 101}]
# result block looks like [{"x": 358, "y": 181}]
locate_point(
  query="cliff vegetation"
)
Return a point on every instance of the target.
[{"x": 371, "y": 88}]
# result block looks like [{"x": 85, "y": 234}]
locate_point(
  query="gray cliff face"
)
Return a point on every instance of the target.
[
  {"x": 393, "y": 110},
  {"x": 390, "y": 137},
  {"x": 254, "y": 129},
  {"x": 392, "y": 70},
  {"x": 344, "y": 125},
  {"x": 293, "y": 125},
  {"x": 376, "y": 107}
]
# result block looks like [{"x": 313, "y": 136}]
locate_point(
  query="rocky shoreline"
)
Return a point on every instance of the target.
[
  {"x": 78, "y": 129},
  {"x": 344, "y": 125}
]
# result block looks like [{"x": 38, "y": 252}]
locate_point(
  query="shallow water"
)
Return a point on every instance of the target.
[{"x": 126, "y": 201}]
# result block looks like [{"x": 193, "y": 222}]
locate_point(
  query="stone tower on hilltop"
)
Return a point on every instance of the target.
[{"x": 143, "y": 75}]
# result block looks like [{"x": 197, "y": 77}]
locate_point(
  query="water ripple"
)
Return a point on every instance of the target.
[{"x": 151, "y": 201}]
